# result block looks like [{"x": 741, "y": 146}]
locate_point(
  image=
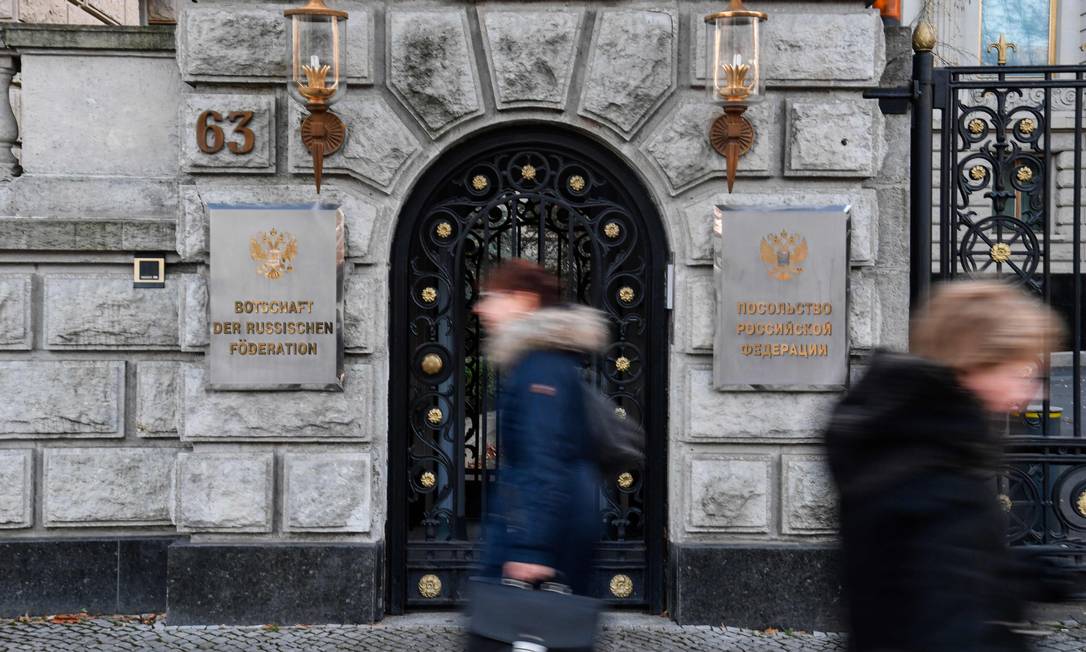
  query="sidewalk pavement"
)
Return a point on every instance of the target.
[{"x": 429, "y": 633}]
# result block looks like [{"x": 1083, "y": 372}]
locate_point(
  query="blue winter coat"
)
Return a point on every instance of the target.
[{"x": 545, "y": 511}]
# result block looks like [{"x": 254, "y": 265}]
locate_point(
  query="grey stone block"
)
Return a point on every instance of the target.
[
  {"x": 15, "y": 303},
  {"x": 680, "y": 145},
  {"x": 835, "y": 139},
  {"x": 194, "y": 315},
  {"x": 222, "y": 44},
  {"x": 91, "y": 199},
  {"x": 752, "y": 416},
  {"x": 359, "y": 213},
  {"x": 431, "y": 66},
  {"x": 16, "y": 488},
  {"x": 531, "y": 67},
  {"x": 728, "y": 493},
  {"x": 277, "y": 416},
  {"x": 85, "y": 487},
  {"x": 363, "y": 313},
  {"x": 70, "y": 99},
  {"x": 864, "y": 236},
  {"x": 225, "y": 492},
  {"x": 810, "y": 49},
  {"x": 378, "y": 149},
  {"x": 157, "y": 412},
  {"x": 88, "y": 311},
  {"x": 701, "y": 311},
  {"x": 60, "y": 234},
  {"x": 809, "y": 497},
  {"x": 631, "y": 69},
  {"x": 73, "y": 398},
  {"x": 261, "y": 124},
  {"x": 893, "y": 226},
  {"x": 864, "y": 311},
  {"x": 327, "y": 492}
]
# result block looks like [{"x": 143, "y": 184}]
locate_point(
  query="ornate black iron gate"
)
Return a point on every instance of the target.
[
  {"x": 575, "y": 208},
  {"x": 1009, "y": 146}
]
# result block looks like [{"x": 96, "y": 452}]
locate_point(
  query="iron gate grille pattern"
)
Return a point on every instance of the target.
[
  {"x": 1002, "y": 130},
  {"x": 545, "y": 200}
]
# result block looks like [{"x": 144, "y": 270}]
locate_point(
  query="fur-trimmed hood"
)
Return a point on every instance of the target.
[{"x": 568, "y": 328}]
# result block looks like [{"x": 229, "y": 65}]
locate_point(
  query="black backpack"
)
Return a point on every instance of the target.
[{"x": 618, "y": 443}]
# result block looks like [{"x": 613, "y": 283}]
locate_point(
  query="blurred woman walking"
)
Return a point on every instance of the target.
[
  {"x": 914, "y": 455},
  {"x": 543, "y": 525}
]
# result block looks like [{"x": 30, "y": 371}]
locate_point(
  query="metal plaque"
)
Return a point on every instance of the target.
[
  {"x": 276, "y": 297},
  {"x": 782, "y": 287}
]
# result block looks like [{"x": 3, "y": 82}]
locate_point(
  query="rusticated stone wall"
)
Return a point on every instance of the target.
[{"x": 106, "y": 421}]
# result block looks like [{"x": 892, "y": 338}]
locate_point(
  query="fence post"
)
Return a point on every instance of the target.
[{"x": 921, "y": 166}]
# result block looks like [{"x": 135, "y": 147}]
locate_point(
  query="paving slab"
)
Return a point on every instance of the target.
[{"x": 430, "y": 632}]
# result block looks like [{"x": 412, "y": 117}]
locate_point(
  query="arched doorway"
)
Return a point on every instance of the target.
[{"x": 567, "y": 202}]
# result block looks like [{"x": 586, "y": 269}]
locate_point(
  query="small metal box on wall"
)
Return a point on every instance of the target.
[{"x": 781, "y": 278}]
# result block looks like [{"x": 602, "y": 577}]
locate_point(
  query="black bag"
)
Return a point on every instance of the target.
[
  {"x": 509, "y": 611},
  {"x": 618, "y": 442}
]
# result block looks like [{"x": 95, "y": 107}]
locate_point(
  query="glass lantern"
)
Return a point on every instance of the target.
[
  {"x": 317, "y": 46},
  {"x": 734, "y": 55}
]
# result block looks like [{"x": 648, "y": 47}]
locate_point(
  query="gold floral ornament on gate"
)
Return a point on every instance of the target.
[
  {"x": 612, "y": 230},
  {"x": 975, "y": 126},
  {"x": 432, "y": 364},
  {"x": 480, "y": 182},
  {"x": 784, "y": 253},
  {"x": 1080, "y": 504},
  {"x": 434, "y": 416},
  {"x": 527, "y": 172},
  {"x": 274, "y": 251},
  {"x": 428, "y": 480},
  {"x": 1000, "y": 252},
  {"x": 621, "y": 586},
  {"x": 1005, "y": 502},
  {"x": 429, "y": 586},
  {"x": 1027, "y": 126},
  {"x": 1024, "y": 174},
  {"x": 428, "y": 294},
  {"x": 734, "y": 78},
  {"x": 317, "y": 76},
  {"x": 977, "y": 172}
]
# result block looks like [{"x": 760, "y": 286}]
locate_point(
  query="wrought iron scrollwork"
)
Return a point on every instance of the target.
[
  {"x": 545, "y": 204},
  {"x": 998, "y": 160}
]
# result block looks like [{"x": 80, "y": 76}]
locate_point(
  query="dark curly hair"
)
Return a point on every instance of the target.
[{"x": 520, "y": 275}]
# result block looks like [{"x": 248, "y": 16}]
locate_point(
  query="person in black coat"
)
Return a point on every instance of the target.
[
  {"x": 914, "y": 454},
  {"x": 544, "y": 522}
]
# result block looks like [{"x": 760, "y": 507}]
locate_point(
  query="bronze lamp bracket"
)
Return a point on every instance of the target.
[
  {"x": 732, "y": 136},
  {"x": 323, "y": 134}
]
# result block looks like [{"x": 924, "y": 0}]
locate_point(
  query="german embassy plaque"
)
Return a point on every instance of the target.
[
  {"x": 276, "y": 297},
  {"x": 781, "y": 284}
]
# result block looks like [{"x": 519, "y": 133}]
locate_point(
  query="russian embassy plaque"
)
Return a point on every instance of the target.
[
  {"x": 781, "y": 285},
  {"x": 276, "y": 297}
]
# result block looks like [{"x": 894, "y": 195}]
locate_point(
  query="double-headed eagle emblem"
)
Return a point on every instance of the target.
[
  {"x": 783, "y": 253},
  {"x": 275, "y": 251}
]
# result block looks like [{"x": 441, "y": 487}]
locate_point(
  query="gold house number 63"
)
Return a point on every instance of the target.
[{"x": 211, "y": 139}]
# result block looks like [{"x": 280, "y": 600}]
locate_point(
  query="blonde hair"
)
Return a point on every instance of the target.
[{"x": 968, "y": 325}]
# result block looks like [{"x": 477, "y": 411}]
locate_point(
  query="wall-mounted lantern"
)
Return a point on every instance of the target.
[
  {"x": 735, "y": 78},
  {"x": 317, "y": 75}
]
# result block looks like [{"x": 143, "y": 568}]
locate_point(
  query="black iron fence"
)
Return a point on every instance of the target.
[{"x": 997, "y": 175}]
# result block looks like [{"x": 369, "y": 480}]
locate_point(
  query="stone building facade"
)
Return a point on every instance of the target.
[{"x": 126, "y": 484}]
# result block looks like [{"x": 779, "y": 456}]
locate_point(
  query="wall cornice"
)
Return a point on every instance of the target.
[{"x": 84, "y": 37}]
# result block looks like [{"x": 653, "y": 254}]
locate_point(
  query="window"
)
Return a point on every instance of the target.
[{"x": 1028, "y": 24}]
